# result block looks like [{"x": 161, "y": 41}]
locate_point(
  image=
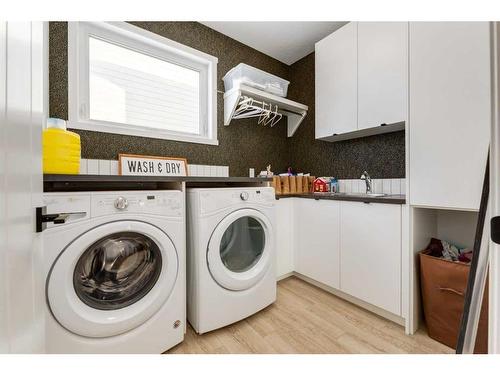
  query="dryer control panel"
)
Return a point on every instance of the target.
[{"x": 213, "y": 200}]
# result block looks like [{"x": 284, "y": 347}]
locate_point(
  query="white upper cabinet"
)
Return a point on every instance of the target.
[
  {"x": 382, "y": 73},
  {"x": 449, "y": 122},
  {"x": 361, "y": 80},
  {"x": 336, "y": 86}
]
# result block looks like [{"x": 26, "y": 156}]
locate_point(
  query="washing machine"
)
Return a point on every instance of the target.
[
  {"x": 231, "y": 254},
  {"x": 114, "y": 265}
]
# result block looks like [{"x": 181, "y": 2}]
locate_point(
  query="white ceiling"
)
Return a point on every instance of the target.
[{"x": 285, "y": 41}]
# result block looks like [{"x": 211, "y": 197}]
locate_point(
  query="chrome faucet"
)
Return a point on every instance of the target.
[{"x": 365, "y": 176}]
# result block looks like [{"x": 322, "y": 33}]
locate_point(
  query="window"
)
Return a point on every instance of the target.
[{"x": 126, "y": 80}]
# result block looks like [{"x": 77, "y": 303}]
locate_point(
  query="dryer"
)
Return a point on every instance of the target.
[
  {"x": 115, "y": 272},
  {"x": 231, "y": 254}
]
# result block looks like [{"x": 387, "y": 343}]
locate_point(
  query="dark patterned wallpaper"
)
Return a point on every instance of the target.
[{"x": 243, "y": 144}]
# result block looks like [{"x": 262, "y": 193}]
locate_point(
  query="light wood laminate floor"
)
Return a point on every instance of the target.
[{"x": 306, "y": 319}]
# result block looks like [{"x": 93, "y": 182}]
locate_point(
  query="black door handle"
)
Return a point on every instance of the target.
[
  {"x": 43, "y": 218},
  {"x": 495, "y": 229}
]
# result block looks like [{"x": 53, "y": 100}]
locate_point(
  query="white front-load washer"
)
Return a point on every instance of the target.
[
  {"x": 231, "y": 254},
  {"x": 114, "y": 267}
]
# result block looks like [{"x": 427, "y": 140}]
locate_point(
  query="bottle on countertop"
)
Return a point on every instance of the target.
[
  {"x": 334, "y": 185},
  {"x": 61, "y": 148}
]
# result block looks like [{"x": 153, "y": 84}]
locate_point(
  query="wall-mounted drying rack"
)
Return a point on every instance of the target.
[{"x": 244, "y": 101}]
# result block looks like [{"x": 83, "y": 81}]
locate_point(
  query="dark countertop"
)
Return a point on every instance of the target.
[
  {"x": 64, "y": 182},
  {"x": 390, "y": 199}
]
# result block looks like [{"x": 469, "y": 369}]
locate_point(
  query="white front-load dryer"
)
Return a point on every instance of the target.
[
  {"x": 115, "y": 272},
  {"x": 231, "y": 254}
]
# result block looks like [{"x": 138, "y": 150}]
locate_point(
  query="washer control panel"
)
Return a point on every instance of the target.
[
  {"x": 213, "y": 200},
  {"x": 165, "y": 203}
]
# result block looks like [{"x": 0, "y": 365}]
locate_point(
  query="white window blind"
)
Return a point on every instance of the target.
[{"x": 128, "y": 84}]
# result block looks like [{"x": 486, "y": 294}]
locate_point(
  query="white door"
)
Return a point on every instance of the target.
[
  {"x": 370, "y": 258},
  {"x": 382, "y": 73},
  {"x": 336, "y": 82},
  {"x": 112, "y": 278},
  {"x": 23, "y": 57},
  {"x": 449, "y": 112},
  {"x": 317, "y": 239},
  {"x": 241, "y": 249}
]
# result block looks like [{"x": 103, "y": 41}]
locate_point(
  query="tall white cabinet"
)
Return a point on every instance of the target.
[
  {"x": 336, "y": 82},
  {"x": 449, "y": 80}
]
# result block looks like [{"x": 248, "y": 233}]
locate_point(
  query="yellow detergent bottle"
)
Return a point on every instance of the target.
[{"x": 61, "y": 149}]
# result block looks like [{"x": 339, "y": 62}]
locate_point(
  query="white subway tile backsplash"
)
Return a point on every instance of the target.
[
  {"x": 83, "y": 166},
  {"x": 104, "y": 167},
  {"x": 386, "y": 186},
  {"x": 348, "y": 186},
  {"x": 110, "y": 167},
  {"x": 113, "y": 167},
  {"x": 342, "y": 186},
  {"x": 377, "y": 186},
  {"x": 220, "y": 171},
  {"x": 396, "y": 186},
  {"x": 361, "y": 186},
  {"x": 206, "y": 171},
  {"x": 92, "y": 166}
]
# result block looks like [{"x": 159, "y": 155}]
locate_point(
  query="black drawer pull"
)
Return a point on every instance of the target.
[{"x": 42, "y": 218}]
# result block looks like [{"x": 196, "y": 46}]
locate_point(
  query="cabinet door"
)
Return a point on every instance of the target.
[
  {"x": 382, "y": 73},
  {"x": 317, "y": 240},
  {"x": 336, "y": 82},
  {"x": 284, "y": 237},
  {"x": 370, "y": 242},
  {"x": 449, "y": 112}
]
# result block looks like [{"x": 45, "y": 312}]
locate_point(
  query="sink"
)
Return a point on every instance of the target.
[{"x": 374, "y": 195}]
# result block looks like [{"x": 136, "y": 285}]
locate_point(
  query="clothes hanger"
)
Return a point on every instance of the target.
[{"x": 264, "y": 114}]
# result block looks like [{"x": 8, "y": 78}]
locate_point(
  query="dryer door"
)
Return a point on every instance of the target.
[
  {"x": 241, "y": 249},
  {"x": 112, "y": 278}
]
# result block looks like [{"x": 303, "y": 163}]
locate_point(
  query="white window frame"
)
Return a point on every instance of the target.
[{"x": 143, "y": 41}]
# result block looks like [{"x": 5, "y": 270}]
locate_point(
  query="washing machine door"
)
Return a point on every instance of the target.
[
  {"x": 240, "y": 249},
  {"x": 112, "y": 278}
]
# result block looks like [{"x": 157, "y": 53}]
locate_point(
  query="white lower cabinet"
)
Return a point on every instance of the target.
[
  {"x": 317, "y": 225},
  {"x": 370, "y": 260},
  {"x": 284, "y": 237},
  {"x": 353, "y": 247}
]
